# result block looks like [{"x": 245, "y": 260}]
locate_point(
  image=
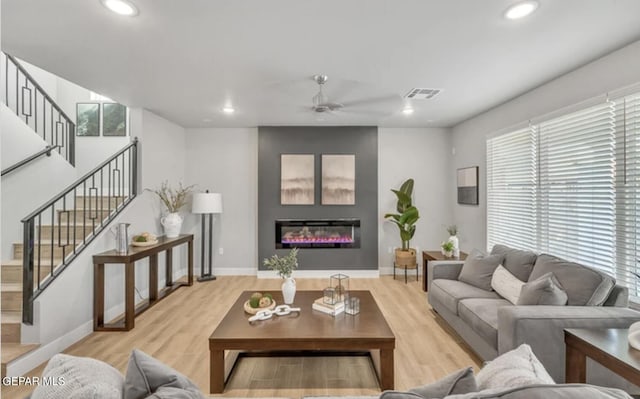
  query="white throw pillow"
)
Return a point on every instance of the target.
[
  {"x": 506, "y": 284},
  {"x": 79, "y": 378},
  {"x": 516, "y": 368}
]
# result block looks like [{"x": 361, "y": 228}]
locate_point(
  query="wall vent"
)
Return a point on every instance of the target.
[{"x": 422, "y": 94}]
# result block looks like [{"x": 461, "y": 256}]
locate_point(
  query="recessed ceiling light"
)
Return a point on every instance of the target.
[
  {"x": 228, "y": 110},
  {"x": 407, "y": 111},
  {"x": 521, "y": 10},
  {"x": 121, "y": 7}
]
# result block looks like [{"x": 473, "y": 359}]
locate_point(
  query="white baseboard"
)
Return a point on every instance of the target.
[
  {"x": 33, "y": 359},
  {"x": 234, "y": 271},
  {"x": 322, "y": 273}
]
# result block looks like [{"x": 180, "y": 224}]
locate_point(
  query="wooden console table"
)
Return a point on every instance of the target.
[
  {"x": 134, "y": 254},
  {"x": 437, "y": 256},
  {"x": 609, "y": 347}
]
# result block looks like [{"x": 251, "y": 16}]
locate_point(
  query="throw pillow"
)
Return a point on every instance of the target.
[
  {"x": 516, "y": 368},
  {"x": 544, "y": 291},
  {"x": 478, "y": 269},
  {"x": 506, "y": 284},
  {"x": 79, "y": 378},
  {"x": 461, "y": 381},
  {"x": 146, "y": 375}
]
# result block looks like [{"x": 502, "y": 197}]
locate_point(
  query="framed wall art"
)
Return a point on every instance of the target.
[
  {"x": 88, "y": 119},
  {"x": 468, "y": 186},
  {"x": 297, "y": 179},
  {"x": 338, "y": 179},
  {"x": 114, "y": 119}
]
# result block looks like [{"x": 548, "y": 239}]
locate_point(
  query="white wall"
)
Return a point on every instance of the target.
[
  {"x": 424, "y": 155},
  {"x": 26, "y": 188},
  {"x": 64, "y": 312},
  {"x": 616, "y": 70},
  {"x": 226, "y": 161}
]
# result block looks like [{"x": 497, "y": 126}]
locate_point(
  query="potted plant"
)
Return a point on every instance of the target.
[
  {"x": 447, "y": 249},
  {"x": 173, "y": 200},
  {"x": 285, "y": 266},
  {"x": 405, "y": 219}
]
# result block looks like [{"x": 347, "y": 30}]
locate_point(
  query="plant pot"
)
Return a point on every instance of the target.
[
  {"x": 289, "y": 290},
  {"x": 447, "y": 254},
  {"x": 172, "y": 224},
  {"x": 456, "y": 245},
  {"x": 405, "y": 258}
]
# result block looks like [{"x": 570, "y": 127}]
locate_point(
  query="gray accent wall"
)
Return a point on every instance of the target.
[{"x": 362, "y": 141}]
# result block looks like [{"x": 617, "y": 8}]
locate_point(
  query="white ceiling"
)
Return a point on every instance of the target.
[{"x": 186, "y": 59}]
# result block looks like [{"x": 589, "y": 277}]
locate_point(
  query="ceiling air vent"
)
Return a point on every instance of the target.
[{"x": 422, "y": 94}]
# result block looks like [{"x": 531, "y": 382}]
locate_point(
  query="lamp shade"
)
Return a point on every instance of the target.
[{"x": 206, "y": 203}]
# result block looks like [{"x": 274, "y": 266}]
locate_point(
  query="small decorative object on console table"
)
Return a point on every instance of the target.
[
  {"x": 206, "y": 204},
  {"x": 285, "y": 267},
  {"x": 447, "y": 249},
  {"x": 174, "y": 200}
]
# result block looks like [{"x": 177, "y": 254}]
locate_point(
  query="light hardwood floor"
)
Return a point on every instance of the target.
[{"x": 176, "y": 331}]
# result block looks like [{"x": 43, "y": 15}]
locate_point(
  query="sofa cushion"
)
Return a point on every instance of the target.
[
  {"x": 482, "y": 316},
  {"x": 506, "y": 284},
  {"x": 458, "y": 382},
  {"x": 478, "y": 269},
  {"x": 450, "y": 292},
  {"x": 517, "y": 261},
  {"x": 146, "y": 375},
  {"x": 584, "y": 285},
  {"x": 545, "y": 391},
  {"x": 516, "y": 368},
  {"x": 79, "y": 378},
  {"x": 544, "y": 291}
]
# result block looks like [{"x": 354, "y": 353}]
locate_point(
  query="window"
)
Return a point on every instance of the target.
[{"x": 570, "y": 186}]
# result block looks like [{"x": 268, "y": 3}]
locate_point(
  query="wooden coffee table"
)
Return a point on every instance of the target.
[{"x": 309, "y": 330}]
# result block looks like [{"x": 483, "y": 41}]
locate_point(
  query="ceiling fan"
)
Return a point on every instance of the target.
[
  {"x": 377, "y": 106},
  {"x": 321, "y": 102}
]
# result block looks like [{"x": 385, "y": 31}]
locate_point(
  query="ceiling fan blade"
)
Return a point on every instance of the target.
[{"x": 388, "y": 101}]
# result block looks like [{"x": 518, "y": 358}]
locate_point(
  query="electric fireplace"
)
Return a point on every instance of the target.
[{"x": 318, "y": 233}]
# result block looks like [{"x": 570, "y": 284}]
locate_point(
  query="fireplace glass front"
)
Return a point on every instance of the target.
[{"x": 318, "y": 233}]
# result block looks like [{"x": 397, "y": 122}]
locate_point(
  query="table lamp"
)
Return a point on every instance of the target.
[{"x": 207, "y": 204}]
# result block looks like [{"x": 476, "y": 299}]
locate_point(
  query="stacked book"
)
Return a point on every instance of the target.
[{"x": 333, "y": 310}]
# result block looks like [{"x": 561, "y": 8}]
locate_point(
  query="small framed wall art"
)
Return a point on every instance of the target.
[
  {"x": 88, "y": 119},
  {"x": 338, "y": 179},
  {"x": 468, "y": 186},
  {"x": 114, "y": 119},
  {"x": 297, "y": 179}
]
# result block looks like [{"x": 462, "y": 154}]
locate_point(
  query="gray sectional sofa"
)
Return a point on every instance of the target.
[{"x": 491, "y": 325}]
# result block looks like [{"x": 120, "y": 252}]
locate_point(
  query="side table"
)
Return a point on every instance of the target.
[
  {"x": 437, "y": 256},
  {"x": 607, "y": 346}
]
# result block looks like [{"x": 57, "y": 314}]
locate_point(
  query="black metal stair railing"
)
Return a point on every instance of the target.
[
  {"x": 58, "y": 231},
  {"x": 24, "y": 96}
]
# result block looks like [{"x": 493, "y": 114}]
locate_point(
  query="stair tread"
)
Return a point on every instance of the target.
[
  {"x": 11, "y": 351},
  {"x": 18, "y": 262},
  {"x": 9, "y": 317},
  {"x": 11, "y": 287}
]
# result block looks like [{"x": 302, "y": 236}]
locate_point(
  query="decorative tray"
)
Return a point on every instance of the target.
[
  {"x": 250, "y": 310},
  {"x": 144, "y": 243}
]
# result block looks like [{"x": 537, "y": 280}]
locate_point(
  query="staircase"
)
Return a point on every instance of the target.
[
  {"x": 80, "y": 223},
  {"x": 59, "y": 230}
]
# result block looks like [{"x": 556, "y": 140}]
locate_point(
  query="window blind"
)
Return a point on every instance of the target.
[
  {"x": 511, "y": 189},
  {"x": 576, "y": 195},
  {"x": 628, "y": 194}
]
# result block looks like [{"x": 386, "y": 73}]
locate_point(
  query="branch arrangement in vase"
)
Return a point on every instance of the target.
[
  {"x": 283, "y": 265},
  {"x": 173, "y": 199}
]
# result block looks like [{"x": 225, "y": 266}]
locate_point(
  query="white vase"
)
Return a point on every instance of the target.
[
  {"x": 634, "y": 335},
  {"x": 172, "y": 224},
  {"x": 456, "y": 245},
  {"x": 289, "y": 290}
]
